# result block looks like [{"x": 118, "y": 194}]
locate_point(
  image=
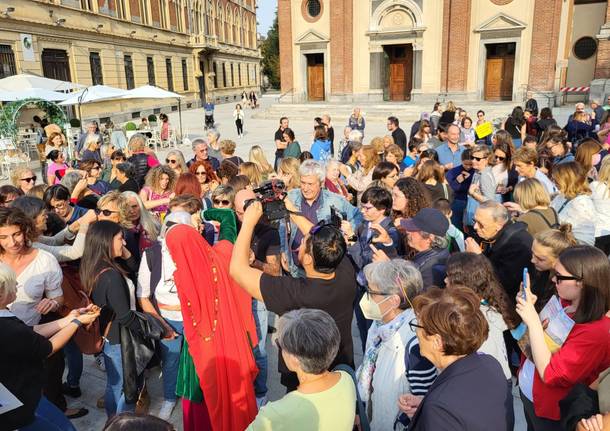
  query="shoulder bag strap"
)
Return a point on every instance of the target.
[
  {"x": 563, "y": 205},
  {"x": 360, "y": 409},
  {"x": 539, "y": 214}
]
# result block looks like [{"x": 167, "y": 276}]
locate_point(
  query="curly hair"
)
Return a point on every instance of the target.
[
  {"x": 13, "y": 216},
  {"x": 210, "y": 175},
  {"x": 475, "y": 272},
  {"x": 153, "y": 177},
  {"x": 417, "y": 196}
]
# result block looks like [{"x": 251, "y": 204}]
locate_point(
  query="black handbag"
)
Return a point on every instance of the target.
[{"x": 138, "y": 347}]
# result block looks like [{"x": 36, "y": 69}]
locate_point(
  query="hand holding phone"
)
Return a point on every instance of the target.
[{"x": 524, "y": 284}]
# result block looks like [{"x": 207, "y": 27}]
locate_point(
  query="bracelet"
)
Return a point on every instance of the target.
[{"x": 77, "y": 322}]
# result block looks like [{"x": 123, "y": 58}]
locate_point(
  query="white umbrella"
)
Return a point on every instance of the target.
[
  {"x": 150, "y": 92},
  {"x": 32, "y": 93},
  {"x": 95, "y": 93},
  {"x": 26, "y": 80}
]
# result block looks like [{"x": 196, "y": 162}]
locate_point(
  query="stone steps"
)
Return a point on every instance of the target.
[{"x": 408, "y": 112}]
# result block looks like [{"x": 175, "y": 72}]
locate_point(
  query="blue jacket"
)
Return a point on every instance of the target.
[
  {"x": 320, "y": 150},
  {"x": 327, "y": 200},
  {"x": 471, "y": 394}
]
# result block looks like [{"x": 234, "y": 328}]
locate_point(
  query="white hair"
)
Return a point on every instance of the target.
[
  {"x": 312, "y": 167},
  {"x": 148, "y": 222},
  {"x": 396, "y": 277},
  {"x": 355, "y": 136}
]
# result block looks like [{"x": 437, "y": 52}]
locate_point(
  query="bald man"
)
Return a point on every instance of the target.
[{"x": 265, "y": 256}]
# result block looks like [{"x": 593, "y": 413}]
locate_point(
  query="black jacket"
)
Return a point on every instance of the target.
[
  {"x": 509, "y": 254},
  {"x": 469, "y": 395},
  {"x": 433, "y": 266},
  {"x": 140, "y": 164}
]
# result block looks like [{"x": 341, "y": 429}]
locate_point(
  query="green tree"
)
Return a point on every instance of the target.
[{"x": 270, "y": 49}]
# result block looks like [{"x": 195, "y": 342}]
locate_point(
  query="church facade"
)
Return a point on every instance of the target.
[{"x": 424, "y": 50}]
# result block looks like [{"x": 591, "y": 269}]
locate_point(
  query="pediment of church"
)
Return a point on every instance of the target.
[
  {"x": 500, "y": 22},
  {"x": 312, "y": 36}
]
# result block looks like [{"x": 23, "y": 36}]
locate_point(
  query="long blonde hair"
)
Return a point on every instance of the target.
[
  {"x": 603, "y": 176},
  {"x": 290, "y": 166},
  {"x": 258, "y": 156}
]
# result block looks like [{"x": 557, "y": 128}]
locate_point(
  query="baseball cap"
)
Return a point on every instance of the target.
[{"x": 428, "y": 220}]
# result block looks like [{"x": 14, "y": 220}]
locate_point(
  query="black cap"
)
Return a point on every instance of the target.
[{"x": 428, "y": 220}]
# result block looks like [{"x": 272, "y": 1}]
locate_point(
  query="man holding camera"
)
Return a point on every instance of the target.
[
  {"x": 264, "y": 256},
  {"x": 328, "y": 284},
  {"x": 315, "y": 204}
]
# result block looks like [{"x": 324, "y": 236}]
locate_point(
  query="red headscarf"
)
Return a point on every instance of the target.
[{"x": 218, "y": 325}]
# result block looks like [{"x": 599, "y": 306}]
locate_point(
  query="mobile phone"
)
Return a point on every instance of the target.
[{"x": 523, "y": 293}]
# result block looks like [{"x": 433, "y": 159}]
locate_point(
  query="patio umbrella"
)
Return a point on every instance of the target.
[
  {"x": 32, "y": 93},
  {"x": 25, "y": 80},
  {"x": 95, "y": 93},
  {"x": 152, "y": 92}
]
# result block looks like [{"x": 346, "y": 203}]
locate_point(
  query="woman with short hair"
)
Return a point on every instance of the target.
[
  {"x": 483, "y": 186},
  {"x": 125, "y": 176},
  {"x": 227, "y": 150},
  {"x": 533, "y": 206},
  {"x": 23, "y": 178},
  {"x": 223, "y": 196},
  {"x": 581, "y": 278},
  {"x": 392, "y": 365},
  {"x": 526, "y": 162},
  {"x": 308, "y": 340},
  {"x": 573, "y": 204},
  {"x": 385, "y": 175},
  {"x": 158, "y": 189},
  {"x": 466, "y": 378},
  {"x": 333, "y": 181}
]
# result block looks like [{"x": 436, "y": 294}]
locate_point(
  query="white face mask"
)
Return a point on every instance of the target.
[{"x": 372, "y": 309}]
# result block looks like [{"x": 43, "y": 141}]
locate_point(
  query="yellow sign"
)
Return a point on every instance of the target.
[{"x": 484, "y": 130}]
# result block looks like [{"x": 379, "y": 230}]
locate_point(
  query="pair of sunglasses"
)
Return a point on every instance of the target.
[
  {"x": 222, "y": 202},
  {"x": 105, "y": 213},
  {"x": 171, "y": 161},
  {"x": 29, "y": 179}
]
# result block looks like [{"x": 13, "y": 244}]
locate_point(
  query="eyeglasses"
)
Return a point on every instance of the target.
[
  {"x": 105, "y": 213},
  {"x": 367, "y": 207},
  {"x": 478, "y": 159},
  {"x": 222, "y": 202},
  {"x": 500, "y": 158},
  {"x": 560, "y": 277},
  {"x": 60, "y": 206},
  {"x": 170, "y": 160},
  {"x": 373, "y": 292},
  {"x": 413, "y": 325},
  {"x": 29, "y": 179}
]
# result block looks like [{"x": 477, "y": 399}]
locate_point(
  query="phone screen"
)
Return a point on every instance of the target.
[{"x": 524, "y": 283}]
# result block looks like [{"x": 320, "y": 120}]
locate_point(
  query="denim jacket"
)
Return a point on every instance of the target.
[{"x": 327, "y": 200}]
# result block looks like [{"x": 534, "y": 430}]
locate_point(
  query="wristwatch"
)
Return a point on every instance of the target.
[{"x": 77, "y": 322}]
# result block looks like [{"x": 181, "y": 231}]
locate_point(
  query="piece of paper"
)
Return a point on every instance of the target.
[
  {"x": 8, "y": 401},
  {"x": 484, "y": 130}
]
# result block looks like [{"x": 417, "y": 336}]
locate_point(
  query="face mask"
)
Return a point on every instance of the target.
[{"x": 371, "y": 309}]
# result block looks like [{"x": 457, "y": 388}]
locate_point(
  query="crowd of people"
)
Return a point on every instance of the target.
[{"x": 446, "y": 246}]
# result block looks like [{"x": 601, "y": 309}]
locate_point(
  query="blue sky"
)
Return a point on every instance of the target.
[{"x": 265, "y": 15}]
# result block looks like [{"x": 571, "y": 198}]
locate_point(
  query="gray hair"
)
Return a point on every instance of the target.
[
  {"x": 332, "y": 163},
  {"x": 438, "y": 242},
  {"x": 179, "y": 157},
  {"x": 395, "y": 277},
  {"x": 137, "y": 142},
  {"x": 355, "y": 136},
  {"x": 214, "y": 133},
  {"x": 198, "y": 141},
  {"x": 498, "y": 212},
  {"x": 150, "y": 224},
  {"x": 70, "y": 179},
  {"x": 312, "y": 167},
  {"x": 312, "y": 336},
  {"x": 8, "y": 283}
]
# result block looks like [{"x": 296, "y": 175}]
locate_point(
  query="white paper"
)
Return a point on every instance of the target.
[
  {"x": 8, "y": 401},
  {"x": 559, "y": 323}
]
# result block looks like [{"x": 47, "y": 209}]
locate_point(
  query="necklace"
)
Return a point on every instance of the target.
[{"x": 209, "y": 337}]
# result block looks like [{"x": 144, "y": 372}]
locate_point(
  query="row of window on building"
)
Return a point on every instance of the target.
[{"x": 55, "y": 65}]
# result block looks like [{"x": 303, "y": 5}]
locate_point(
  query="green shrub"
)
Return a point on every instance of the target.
[
  {"x": 152, "y": 118},
  {"x": 130, "y": 126}
]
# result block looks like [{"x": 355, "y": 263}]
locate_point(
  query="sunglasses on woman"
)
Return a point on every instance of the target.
[
  {"x": 105, "y": 213},
  {"x": 500, "y": 158},
  {"x": 29, "y": 179},
  {"x": 170, "y": 161},
  {"x": 222, "y": 202},
  {"x": 478, "y": 159}
]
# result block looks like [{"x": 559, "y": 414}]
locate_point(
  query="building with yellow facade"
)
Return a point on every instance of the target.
[
  {"x": 373, "y": 50},
  {"x": 197, "y": 48}
]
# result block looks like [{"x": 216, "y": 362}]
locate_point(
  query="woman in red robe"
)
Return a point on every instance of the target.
[{"x": 219, "y": 330}]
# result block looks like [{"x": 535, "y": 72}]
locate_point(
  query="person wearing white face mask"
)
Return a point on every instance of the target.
[{"x": 392, "y": 365}]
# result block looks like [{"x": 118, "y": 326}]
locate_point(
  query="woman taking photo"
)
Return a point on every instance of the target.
[
  {"x": 483, "y": 186},
  {"x": 158, "y": 190},
  {"x": 239, "y": 116},
  {"x": 103, "y": 272},
  {"x": 503, "y": 170},
  {"x": 466, "y": 378},
  {"x": 581, "y": 278},
  {"x": 57, "y": 168},
  {"x": 533, "y": 206},
  {"x": 573, "y": 204},
  {"x": 383, "y": 376}
]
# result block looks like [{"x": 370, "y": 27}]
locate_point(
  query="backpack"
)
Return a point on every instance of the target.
[{"x": 555, "y": 224}]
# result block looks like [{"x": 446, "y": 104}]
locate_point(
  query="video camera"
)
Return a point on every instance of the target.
[{"x": 271, "y": 195}]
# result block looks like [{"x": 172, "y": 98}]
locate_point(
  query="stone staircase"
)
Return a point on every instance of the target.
[{"x": 405, "y": 111}]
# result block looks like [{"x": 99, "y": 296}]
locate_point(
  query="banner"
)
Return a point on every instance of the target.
[{"x": 484, "y": 130}]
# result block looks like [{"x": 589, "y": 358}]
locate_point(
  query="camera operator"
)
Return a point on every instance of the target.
[
  {"x": 328, "y": 284},
  {"x": 376, "y": 233},
  {"x": 315, "y": 204},
  {"x": 264, "y": 256}
]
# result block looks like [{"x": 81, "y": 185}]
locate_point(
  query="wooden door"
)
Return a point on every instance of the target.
[
  {"x": 499, "y": 74},
  {"x": 55, "y": 64},
  {"x": 401, "y": 72},
  {"x": 315, "y": 77}
]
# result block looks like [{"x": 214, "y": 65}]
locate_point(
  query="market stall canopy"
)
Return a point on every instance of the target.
[
  {"x": 150, "y": 92},
  {"x": 24, "y": 81},
  {"x": 95, "y": 93},
  {"x": 32, "y": 93}
]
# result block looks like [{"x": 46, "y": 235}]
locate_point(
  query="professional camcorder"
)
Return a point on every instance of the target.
[{"x": 271, "y": 194}]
